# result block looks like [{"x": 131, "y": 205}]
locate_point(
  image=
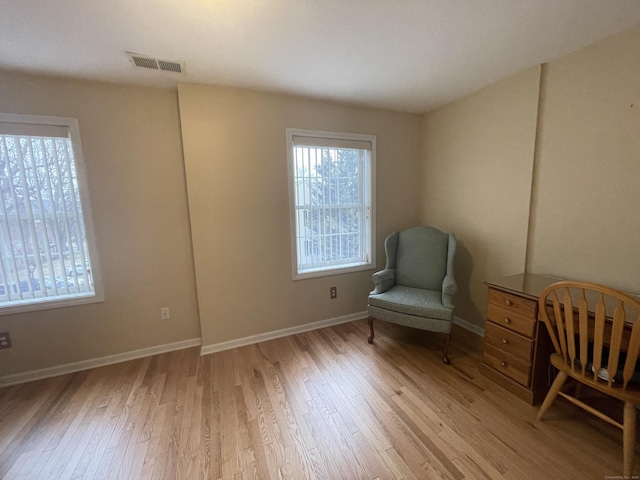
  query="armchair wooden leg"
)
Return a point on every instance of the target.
[
  {"x": 370, "y": 339},
  {"x": 445, "y": 352},
  {"x": 628, "y": 438}
]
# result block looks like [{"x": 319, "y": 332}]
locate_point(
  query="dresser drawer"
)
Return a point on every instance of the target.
[
  {"x": 511, "y": 320},
  {"x": 513, "y": 303},
  {"x": 508, "y": 342},
  {"x": 516, "y": 344},
  {"x": 508, "y": 365}
]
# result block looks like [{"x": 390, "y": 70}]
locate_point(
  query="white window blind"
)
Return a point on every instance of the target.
[
  {"x": 331, "y": 186},
  {"x": 46, "y": 242}
]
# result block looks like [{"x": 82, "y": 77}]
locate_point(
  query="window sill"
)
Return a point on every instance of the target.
[
  {"x": 33, "y": 305},
  {"x": 333, "y": 270}
]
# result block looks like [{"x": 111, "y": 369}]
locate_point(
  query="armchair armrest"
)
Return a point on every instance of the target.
[
  {"x": 383, "y": 280},
  {"x": 449, "y": 288}
]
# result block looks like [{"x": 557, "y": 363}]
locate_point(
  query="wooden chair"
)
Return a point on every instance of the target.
[{"x": 595, "y": 332}]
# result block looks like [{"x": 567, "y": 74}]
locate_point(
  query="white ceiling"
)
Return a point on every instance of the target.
[{"x": 408, "y": 55}]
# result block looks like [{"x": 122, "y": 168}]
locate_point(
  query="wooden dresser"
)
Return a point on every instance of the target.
[{"x": 516, "y": 345}]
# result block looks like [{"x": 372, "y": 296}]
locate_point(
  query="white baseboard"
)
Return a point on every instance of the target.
[
  {"x": 23, "y": 377},
  {"x": 469, "y": 326},
  {"x": 40, "y": 374},
  {"x": 263, "y": 337}
]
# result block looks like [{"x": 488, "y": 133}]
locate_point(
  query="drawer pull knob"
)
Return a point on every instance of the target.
[
  {"x": 507, "y": 320},
  {"x": 505, "y": 341},
  {"x": 508, "y": 303},
  {"x": 503, "y": 364}
]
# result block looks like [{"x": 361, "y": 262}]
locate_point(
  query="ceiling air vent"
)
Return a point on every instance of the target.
[{"x": 144, "y": 61}]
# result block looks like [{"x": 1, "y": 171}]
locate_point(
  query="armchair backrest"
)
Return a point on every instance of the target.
[{"x": 422, "y": 257}]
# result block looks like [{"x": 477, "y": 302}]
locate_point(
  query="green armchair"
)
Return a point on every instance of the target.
[{"x": 416, "y": 287}]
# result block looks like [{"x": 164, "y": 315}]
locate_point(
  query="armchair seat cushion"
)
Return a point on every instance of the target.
[{"x": 412, "y": 301}]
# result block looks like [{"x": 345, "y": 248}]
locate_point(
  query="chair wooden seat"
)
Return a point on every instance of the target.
[{"x": 629, "y": 394}]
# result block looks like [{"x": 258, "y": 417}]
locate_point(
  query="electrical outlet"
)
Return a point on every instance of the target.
[
  {"x": 333, "y": 292},
  {"x": 5, "y": 340},
  {"x": 164, "y": 313}
]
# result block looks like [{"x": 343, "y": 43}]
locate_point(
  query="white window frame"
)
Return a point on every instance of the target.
[
  {"x": 335, "y": 140},
  {"x": 68, "y": 296}
]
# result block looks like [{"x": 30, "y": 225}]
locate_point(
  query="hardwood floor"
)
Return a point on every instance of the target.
[{"x": 323, "y": 404}]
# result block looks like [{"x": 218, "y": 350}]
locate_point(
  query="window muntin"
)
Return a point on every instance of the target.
[
  {"x": 47, "y": 254},
  {"x": 331, "y": 201}
]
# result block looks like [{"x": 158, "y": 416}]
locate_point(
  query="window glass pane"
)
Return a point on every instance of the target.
[
  {"x": 331, "y": 189},
  {"x": 44, "y": 251}
]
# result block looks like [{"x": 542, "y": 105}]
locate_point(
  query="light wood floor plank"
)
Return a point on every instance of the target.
[{"x": 319, "y": 405}]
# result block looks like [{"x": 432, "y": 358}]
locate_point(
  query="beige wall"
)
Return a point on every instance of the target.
[
  {"x": 586, "y": 214},
  {"x": 132, "y": 150},
  {"x": 236, "y": 163},
  {"x": 476, "y": 182},
  {"x": 478, "y": 159}
]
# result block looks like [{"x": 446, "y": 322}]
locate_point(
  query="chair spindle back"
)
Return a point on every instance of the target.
[{"x": 595, "y": 329}]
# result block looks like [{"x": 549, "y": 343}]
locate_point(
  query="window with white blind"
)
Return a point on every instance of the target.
[
  {"x": 47, "y": 251},
  {"x": 331, "y": 186}
]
